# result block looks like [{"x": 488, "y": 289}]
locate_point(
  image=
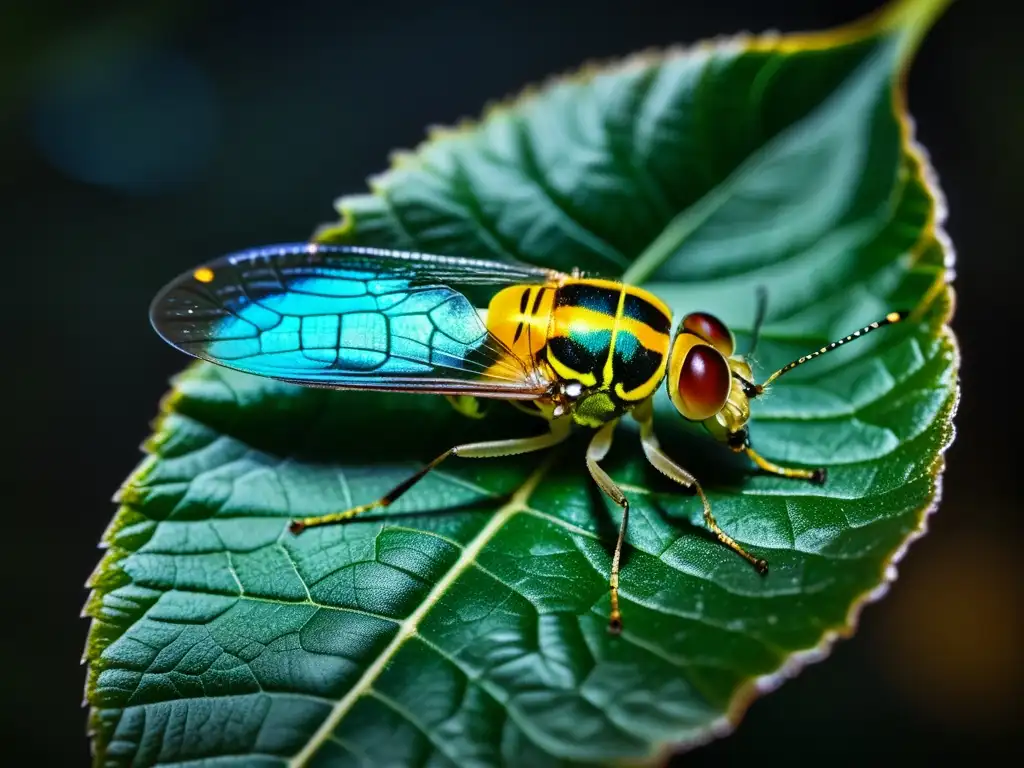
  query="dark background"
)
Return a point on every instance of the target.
[{"x": 140, "y": 138}]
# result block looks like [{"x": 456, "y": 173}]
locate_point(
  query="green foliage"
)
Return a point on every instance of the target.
[{"x": 469, "y": 625}]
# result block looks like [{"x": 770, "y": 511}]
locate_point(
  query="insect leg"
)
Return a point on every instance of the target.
[
  {"x": 559, "y": 431},
  {"x": 467, "y": 405},
  {"x": 644, "y": 414},
  {"x": 596, "y": 451},
  {"x": 816, "y": 476}
]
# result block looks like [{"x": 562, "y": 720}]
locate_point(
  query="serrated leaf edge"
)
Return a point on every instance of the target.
[
  {"x": 887, "y": 17},
  {"x": 796, "y": 662}
]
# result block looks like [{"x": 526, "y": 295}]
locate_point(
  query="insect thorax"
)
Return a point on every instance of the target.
[{"x": 609, "y": 338}]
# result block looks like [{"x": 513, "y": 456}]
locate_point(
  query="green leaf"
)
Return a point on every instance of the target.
[{"x": 469, "y": 625}]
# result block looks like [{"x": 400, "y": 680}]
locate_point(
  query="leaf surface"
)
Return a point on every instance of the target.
[{"x": 468, "y": 626}]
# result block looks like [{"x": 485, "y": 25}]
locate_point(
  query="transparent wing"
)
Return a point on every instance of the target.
[{"x": 350, "y": 317}]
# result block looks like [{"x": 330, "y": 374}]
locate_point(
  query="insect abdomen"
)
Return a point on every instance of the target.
[
  {"x": 519, "y": 317},
  {"x": 582, "y": 327}
]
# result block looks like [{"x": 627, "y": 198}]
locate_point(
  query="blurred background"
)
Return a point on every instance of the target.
[{"x": 137, "y": 139}]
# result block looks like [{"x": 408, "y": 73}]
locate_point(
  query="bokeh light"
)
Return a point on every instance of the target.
[
  {"x": 140, "y": 120},
  {"x": 954, "y": 631}
]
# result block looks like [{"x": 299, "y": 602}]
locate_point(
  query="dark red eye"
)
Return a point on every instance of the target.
[
  {"x": 704, "y": 383},
  {"x": 711, "y": 329}
]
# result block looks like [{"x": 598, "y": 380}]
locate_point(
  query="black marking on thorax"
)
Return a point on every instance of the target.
[{"x": 586, "y": 351}]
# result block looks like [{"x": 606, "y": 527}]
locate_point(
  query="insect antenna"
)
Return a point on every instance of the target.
[
  {"x": 891, "y": 319},
  {"x": 759, "y": 315}
]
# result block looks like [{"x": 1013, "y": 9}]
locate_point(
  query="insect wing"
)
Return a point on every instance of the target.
[{"x": 350, "y": 317}]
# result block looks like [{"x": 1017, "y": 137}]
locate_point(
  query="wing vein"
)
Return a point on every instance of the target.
[{"x": 236, "y": 319}]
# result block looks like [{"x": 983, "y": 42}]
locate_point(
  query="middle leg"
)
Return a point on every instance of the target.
[
  {"x": 661, "y": 461},
  {"x": 596, "y": 451}
]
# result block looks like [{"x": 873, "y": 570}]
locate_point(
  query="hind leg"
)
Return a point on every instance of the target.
[{"x": 559, "y": 431}]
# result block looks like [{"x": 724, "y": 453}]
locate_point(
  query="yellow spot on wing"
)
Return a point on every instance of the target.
[{"x": 203, "y": 275}]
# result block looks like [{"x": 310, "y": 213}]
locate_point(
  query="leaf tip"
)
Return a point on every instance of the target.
[{"x": 911, "y": 20}]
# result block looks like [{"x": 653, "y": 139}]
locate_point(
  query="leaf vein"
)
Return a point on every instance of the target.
[
  {"x": 571, "y": 226},
  {"x": 406, "y": 715},
  {"x": 408, "y": 627}
]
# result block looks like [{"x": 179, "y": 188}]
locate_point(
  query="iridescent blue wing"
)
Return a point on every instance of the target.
[{"x": 349, "y": 317}]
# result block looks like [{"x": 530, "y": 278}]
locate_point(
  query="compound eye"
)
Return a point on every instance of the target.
[
  {"x": 704, "y": 383},
  {"x": 712, "y": 330}
]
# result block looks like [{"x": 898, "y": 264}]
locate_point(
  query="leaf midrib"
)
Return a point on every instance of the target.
[
  {"x": 408, "y": 628},
  {"x": 679, "y": 229}
]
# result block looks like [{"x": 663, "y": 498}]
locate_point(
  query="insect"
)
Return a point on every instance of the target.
[{"x": 569, "y": 349}]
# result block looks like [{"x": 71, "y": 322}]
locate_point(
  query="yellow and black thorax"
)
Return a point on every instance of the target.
[{"x": 610, "y": 338}]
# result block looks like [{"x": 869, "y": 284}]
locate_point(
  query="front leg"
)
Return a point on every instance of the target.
[
  {"x": 816, "y": 476},
  {"x": 644, "y": 414}
]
